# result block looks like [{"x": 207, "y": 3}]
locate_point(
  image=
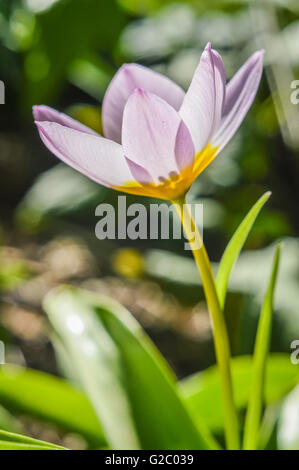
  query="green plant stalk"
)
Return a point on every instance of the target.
[
  {"x": 221, "y": 339},
  {"x": 261, "y": 349}
]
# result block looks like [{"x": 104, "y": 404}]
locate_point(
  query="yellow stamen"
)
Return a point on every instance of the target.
[{"x": 173, "y": 187}]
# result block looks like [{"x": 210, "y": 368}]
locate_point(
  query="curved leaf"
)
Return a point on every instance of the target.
[
  {"x": 261, "y": 350},
  {"x": 235, "y": 246},
  {"x": 11, "y": 441},
  {"x": 51, "y": 399},
  {"x": 94, "y": 323},
  {"x": 96, "y": 360}
]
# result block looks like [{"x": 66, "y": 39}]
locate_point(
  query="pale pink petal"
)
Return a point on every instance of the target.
[
  {"x": 100, "y": 159},
  {"x": 140, "y": 174},
  {"x": 129, "y": 77},
  {"x": 45, "y": 113},
  {"x": 203, "y": 103},
  {"x": 220, "y": 86},
  {"x": 240, "y": 93},
  {"x": 155, "y": 137},
  {"x": 184, "y": 150}
]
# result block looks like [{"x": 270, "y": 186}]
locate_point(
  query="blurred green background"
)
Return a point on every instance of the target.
[{"x": 63, "y": 53}]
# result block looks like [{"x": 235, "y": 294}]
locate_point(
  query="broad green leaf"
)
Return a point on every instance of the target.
[
  {"x": 202, "y": 391},
  {"x": 92, "y": 326},
  {"x": 11, "y": 441},
  {"x": 235, "y": 246},
  {"x": 261, "y": 351},
  {"x": 97, "y": 362},
  {"x": 51, "y": 399}
]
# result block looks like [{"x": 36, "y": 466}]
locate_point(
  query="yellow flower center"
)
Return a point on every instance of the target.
[{"x": 175, "y": 185}]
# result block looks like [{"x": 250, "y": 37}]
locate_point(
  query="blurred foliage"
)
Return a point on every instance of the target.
[
  {"x": 203, "y": 395},
  {"x": 75, "y": 28},
  {"x": 50, "y": 399},
  {"x": 249, "y": 278},
  {"x": 63, "y": 53},
  {"x": 110, "y": 352}
]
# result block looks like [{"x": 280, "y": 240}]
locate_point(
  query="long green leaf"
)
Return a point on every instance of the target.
[
  {"x": 97, "y": 362},
  {"x": 235, "y": 246},
  {"x": 51, "y": 399},
  {"x": 261, "y": 350},
  {"x": 202, "y": 391},
  {"x": 7, "y": 445},
  {"x": 90, "y": 324},
  {"x": 12, "y": 441}
]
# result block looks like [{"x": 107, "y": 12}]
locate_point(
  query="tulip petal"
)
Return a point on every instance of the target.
[
  {"x": 100, "y": 159},
  {"x": 203, "y": 103},
  {"x": 129, "y": 77},
  {"x": 240, "y": 93},
  {"x": 155, "y": 137},
  {"x": 46, "y": 113},
  {"x": 139, "y": 173}
]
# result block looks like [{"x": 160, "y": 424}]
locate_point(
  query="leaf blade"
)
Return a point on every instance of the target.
[
  {"x": 235, "y": 246},
  {"x": 159, "y": 414},
  {"x": 97, "y": 361},
  {"x": 9, "y": 440},
  {"x": 261, "y": 351},
  {"x": 49, "y": 398}
]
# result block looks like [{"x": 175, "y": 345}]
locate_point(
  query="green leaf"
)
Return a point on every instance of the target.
[
  {"x": 235, "y": 246},
  {"x": 7, "y": 445},
  {"x": 97, "y": 362},
  {"x": 51, "y": 399},
  {"x": 261, "y": 350},
  {"x": 202, "y": 391},
  {"x": 8, "y": 422},
  {"x": 148, "y": 7},
  {"x": 121, "y": 370},
  {"x": 11, "y": 441}
]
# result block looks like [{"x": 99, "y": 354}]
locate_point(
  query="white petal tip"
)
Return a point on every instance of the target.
[
  {"x": 259, "y": 54},
  {"x": 126, "y": 68},
  {"x": 37, "y": 111}
]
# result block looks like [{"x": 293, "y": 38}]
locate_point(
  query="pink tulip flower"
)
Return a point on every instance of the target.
[{"x": 158, "y": 138}]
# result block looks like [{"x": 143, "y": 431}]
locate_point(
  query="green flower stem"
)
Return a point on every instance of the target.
[{"x": 221, "y": 339}]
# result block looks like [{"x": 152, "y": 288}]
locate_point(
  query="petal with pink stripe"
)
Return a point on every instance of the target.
[
  {"x": 155, "y": 137},
  {"x": 129, "y": 77}
]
